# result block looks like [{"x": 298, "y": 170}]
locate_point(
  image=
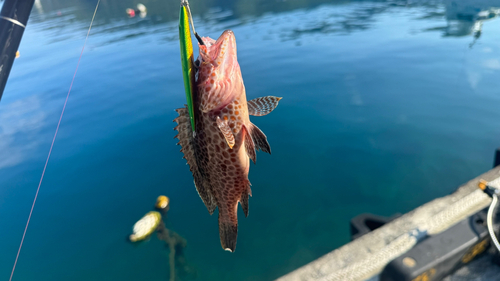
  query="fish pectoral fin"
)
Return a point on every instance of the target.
[
  {"x": 249, "y": 145},
  {"x": 263, "y": 105},
  {"x": 226, "y": 131},
  {"x": 259, "y": 139}
]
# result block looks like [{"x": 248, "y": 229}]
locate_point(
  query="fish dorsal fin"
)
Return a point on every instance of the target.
[
  {"x": 186, "y": 141},
  {"x": 249, "y": 145},
  {"x": 259, "y": 139},
  {"x": 226, "y": 131},
  {"x": 263, "y": 105}
]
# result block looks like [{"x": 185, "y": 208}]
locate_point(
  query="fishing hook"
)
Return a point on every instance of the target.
[{"x": 185, "y": 3}]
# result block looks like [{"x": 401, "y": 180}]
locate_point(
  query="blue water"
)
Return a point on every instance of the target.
[{"x": 386, "y": 105}]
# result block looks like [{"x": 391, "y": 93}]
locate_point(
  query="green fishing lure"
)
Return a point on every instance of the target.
[{"x": 188, "y": 69}]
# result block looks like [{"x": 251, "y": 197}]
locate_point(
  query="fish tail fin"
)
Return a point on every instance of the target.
[{"x": 228, "y": 231}]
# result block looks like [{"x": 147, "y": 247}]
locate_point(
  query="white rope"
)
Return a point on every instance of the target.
[
  {"x": 455, "y": 213},
  {"x": 365, "y": 268}
]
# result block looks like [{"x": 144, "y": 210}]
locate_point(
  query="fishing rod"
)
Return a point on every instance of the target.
[{"x": 13, "y": 19}]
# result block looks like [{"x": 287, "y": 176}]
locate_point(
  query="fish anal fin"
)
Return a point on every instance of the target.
[
  {"x": 186, "y": 141},
  {"x": 244, "y": 199},
  {"x": 249, "y": 145},
  {"x": 262, "y": 106},
  {"x": 259, "y": 139},
  {"x": 226, "y": 131}
]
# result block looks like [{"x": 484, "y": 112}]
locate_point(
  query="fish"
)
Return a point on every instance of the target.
[{"x": 219, "y": 149}]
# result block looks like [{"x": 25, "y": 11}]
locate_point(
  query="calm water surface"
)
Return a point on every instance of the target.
[{"x": 386, "y": 105}]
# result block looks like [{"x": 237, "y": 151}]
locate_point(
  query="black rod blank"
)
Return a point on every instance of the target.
[{"x": 13, "y": 19}]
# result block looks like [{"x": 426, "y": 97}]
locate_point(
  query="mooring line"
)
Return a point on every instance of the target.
[{"x": 52, "y": 144}]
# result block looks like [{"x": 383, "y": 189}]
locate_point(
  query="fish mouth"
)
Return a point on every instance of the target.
[{"x": 220, "y": 53}]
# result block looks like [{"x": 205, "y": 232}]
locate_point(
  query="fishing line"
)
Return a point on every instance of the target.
[
  {"x": 52, "y": 144},
  {"x": 185, "y": 3}
]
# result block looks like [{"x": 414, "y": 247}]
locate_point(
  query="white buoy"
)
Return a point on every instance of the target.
[{"x": 145, "y": 226}]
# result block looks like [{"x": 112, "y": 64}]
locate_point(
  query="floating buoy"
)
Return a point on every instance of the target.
[
  {"x": 130, "y": 12},
  {"x": 140, "y": 10},
  {"x": 145, "y": 226},
  {"x": 162, "y": 202}
]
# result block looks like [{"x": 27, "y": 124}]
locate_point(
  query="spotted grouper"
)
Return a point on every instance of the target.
[{"x": 224, "y": 140}]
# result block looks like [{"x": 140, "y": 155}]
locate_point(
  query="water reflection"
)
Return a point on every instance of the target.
[
  {"x": 463, "y": 17},
  {"x": 339, "y": 20},
  {"x": 20, "y": 123},
  {"x": 466, "y": 17}
]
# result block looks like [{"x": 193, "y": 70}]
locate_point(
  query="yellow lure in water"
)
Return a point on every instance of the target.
[{"x": 188, "y": 69}]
